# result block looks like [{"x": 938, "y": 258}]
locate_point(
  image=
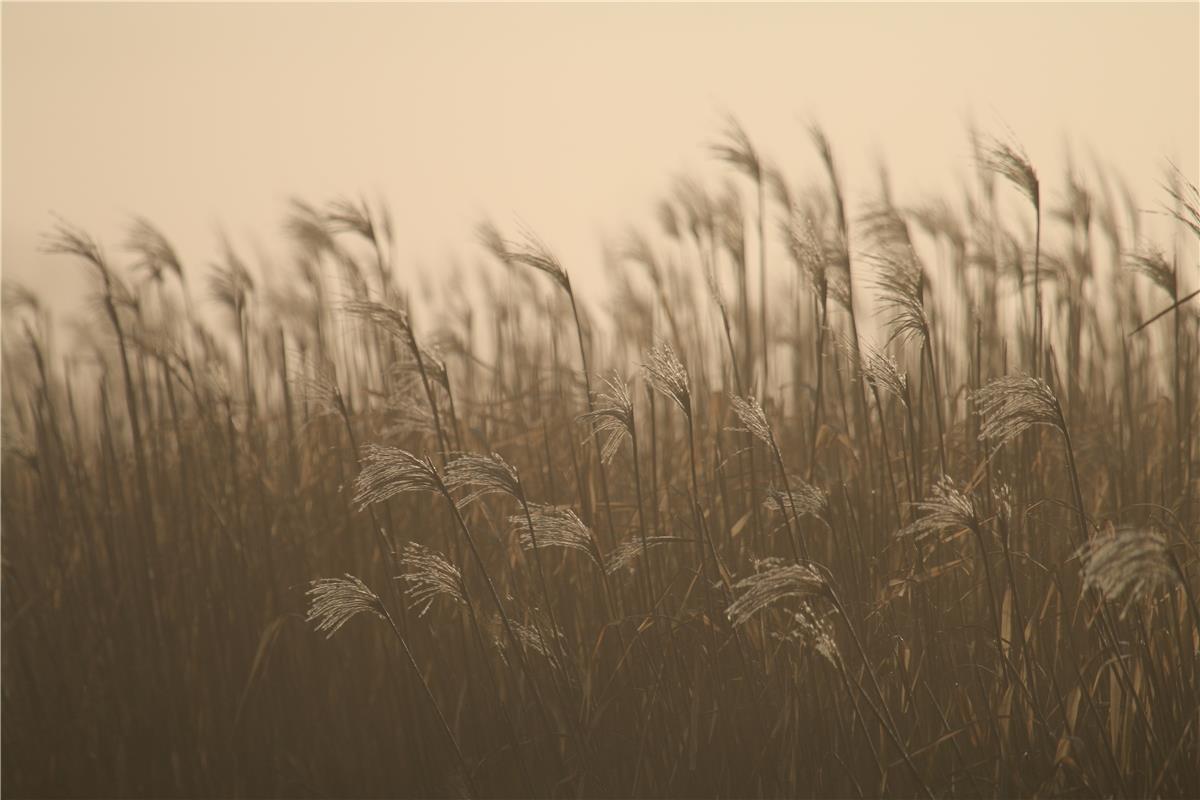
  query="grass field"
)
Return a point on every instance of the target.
[{"x": 903, "y": 503}]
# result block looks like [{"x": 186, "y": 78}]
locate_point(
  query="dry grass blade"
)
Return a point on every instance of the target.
[{"x": 335, "y": 601}]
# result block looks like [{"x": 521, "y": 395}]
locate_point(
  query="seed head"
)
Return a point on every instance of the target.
[
  {"x": 612, "y": 417},
  {"x": 879, "y": 368},
  {"x": 947, "y": 510},
  {"x": 555, "y": 526},
  {"x": 811, "y": 630},
  {"x": 770, "y": 585},
  {"x": 389, "y": 471},
  {"x": 737, "y": 149},
  {"x": 530, "y": 251},
  {"x": 899, "y": 284},
  {"x": 427, "y": 576},
  {"x": 156, "y": 254},
  {"x": 1010, "y": 161},
  {"x": 753, "y": 419},
  {"x": 335, "y": 601},
  {"x": 626, "y": 553},
  {"x": 1012, "y": 404},
  {"x": 1129, "y": 565},
  {"x": 668, "y": 377},
  {"x": 486, "y": 474},
  {"x": 1154, "y": 265},
  {"x": 802, "y": 499}
]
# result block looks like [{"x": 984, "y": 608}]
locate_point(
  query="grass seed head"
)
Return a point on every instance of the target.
[
  {"x": 753, "y": 418},
  {"x": 947, "y": 510},
  {"x": 612, "y": 417},
  {"x": 485, "y": 474},
  {"x": 667, "y": 376},
  {"x": 555, "y": 526},
  {"x": 1012, "y": 404},
  {"x": 427, "y": 575},
  {"x": 335, "y": 601},
  {"x": 1127, "y": 566},
  {"x": 390, "y": 471},
  {"x": 768, "y": 586}
]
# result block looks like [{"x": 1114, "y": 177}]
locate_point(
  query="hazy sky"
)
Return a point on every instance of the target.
[{"x": 572, "y": 118}]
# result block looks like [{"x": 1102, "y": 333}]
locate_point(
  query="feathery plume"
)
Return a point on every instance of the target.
[
  {"x": 486, "y": 474},
  {"x": 343, "y": 215},
  {"x": 612, "y": 417},
  {"x": 392, "y": 320},
  {"x": 532, "y": 637},
  {"x": 530, "y": 251},
  {"x": 1010, "y": 161},
  {"x": 899, "y": 285},
  {"x": 753, "y": 419},
  {"x": 1012, "y": 404},
  {"x": 802, "y": 499},
  {"x": 947, "y": 510},
  {"x": 879, "y": 368},
  {"x": 626, "y": 553},
  {"x": 808, "y": 252},
  {"x": 1186, "y": 197},
  {"x": 555, "y": 526},
  {"x": 335, "y": 601},
  {"x": 318, "y": 383},
  {"x": 811, "y": 630},
  {"x": 771, "y": 583},
  {"x": 389, "y": 471},
  {"x": 156, "y": 255},
  {"x": 428, "y": 576},
  {"x": 1129, "y": 565},
  {"x": 667, "y": 376},
  {"x": 66, "y": 239},
  {"x": 408, "y": 413},
  {"x": 1153, "y": 264},
  {"x": 230, "y": 283},
  {"x": 736, "y": 149}
]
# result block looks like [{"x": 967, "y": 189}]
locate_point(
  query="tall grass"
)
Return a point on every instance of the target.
[{"x": 984, "y": 584}]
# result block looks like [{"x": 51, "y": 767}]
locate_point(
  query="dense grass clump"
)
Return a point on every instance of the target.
[{"x": 920, "y": 519}]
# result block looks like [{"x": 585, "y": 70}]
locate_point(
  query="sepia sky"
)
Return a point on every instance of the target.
[{"x": 571, "y": 118}]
